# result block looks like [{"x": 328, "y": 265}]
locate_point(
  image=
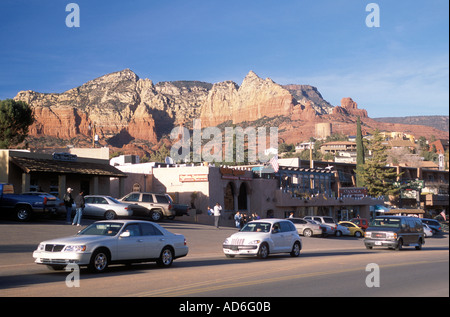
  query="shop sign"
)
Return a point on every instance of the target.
[
  {"x": 231, "y": 173},
  {"x": 185, "y": 178},
  {"x": 353, "y": 192},
  {"x": 66, "y": 157}
]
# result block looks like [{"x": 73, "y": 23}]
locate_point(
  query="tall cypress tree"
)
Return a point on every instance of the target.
[{"x": 360, "y": 160}]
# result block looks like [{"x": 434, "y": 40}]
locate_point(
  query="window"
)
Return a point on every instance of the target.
[
  {"x": 147, "y": 198},
  {"x": 287, "y": 226},
  {"x": 101, "y": 200},
  {"x": 276, "y": 228},
  {"x": 132, "y": 197},
  {"x": 89, "y": 200},
  {"x": 150, "y": 230},
  {"x": 256, "y": 227},
  {"x": 133, "y": 229},
  {"x": 161, "y": 199}
]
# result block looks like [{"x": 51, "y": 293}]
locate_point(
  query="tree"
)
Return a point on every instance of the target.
[
  {"x": 378, "y": 178},
  {"x": 360, "y": 159},
  {"x": 15, "y": 119}
]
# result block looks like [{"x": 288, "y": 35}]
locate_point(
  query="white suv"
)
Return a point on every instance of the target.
[{"x": 264, "y": 237}]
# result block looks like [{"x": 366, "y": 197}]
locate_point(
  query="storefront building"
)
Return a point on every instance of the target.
[{"x": 55, "y": 173}]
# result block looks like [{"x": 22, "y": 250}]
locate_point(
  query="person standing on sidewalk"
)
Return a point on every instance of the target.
[
  {"x": 217, "y": 209},
  {"x": 68, "y": 201},
  {"x": 79, "y": 205}
]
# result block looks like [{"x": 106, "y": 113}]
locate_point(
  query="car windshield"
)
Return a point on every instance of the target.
[
  {"x": 101, "y": 229},
  {"x": 256, "y": 227},
  {"x": 386, "y": 222}
]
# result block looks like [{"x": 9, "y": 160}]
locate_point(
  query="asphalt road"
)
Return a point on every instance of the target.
[{"x": 333, "y": 267}]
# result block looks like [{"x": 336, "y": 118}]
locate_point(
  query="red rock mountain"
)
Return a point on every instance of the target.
[{"x": 134, "y": 114}]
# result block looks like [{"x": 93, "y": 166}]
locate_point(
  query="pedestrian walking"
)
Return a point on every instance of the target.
[
  {"x": 217, "y": 209},
  {"x": 79, "y": 205},
  {"x": 68, "y": 202},
  {"x": 237, "y": 220}
]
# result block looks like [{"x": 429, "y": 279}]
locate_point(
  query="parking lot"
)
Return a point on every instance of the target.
[{"x": 329, "y": 266}]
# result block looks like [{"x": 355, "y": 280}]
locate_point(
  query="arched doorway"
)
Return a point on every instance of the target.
[
  {"x": 242, "y": 197},
  {"x": 229, "y": 197}
]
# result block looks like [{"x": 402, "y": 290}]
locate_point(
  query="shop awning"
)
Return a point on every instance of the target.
[
  {"x": 380, "y": 208},
  {"x": 30, "y": 165},
  {"x": 406, "y": 211}
]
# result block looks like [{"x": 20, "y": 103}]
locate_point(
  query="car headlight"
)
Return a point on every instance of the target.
[
  {"x": 254, "y": 242},
  {"x": 41, "y": 247},
  {"x": 227, "y": 241},
  {"x": 368, "y": 234},
  {"x": 391, "y": 235},
  {"x": 74, "y": 248}
]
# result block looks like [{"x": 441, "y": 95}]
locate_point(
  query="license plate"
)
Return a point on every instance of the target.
[{"x": 378, "y": 243}]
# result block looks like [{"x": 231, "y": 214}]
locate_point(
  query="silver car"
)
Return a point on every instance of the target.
[
  {"x": 306, "y": 228},
  {"x": 114, "y": 241},
  {"x": 105, "y": 207},
  {"x": 264, "y": 237}
]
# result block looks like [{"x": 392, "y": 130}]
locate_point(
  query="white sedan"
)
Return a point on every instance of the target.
[
  {"x": 264, "y": 237},
  {"x": 105, "y": 207},
  {"x": 115, "y": 241}
]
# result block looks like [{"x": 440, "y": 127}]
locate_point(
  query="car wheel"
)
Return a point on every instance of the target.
[
  {"x": 155, "y": 215},
  {"x": 99, "y": 261},
  {"x": 419, "y": 246},
  {"x": 110, "y": 215},
  {"x": 358, "y": 234},
  {"x": 23, "y": 213},
  {"x": 295, "y": 249},
  {"x": 307, "y": 232},
  {"x": 166, "y": 257},
  {"x": 338, "y": 233},
  {"x": 399, "y": 245},
  {"x": 263, "y": 251}
]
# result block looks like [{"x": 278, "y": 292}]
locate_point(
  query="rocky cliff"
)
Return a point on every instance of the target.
[{"x": 122, "y": 108}]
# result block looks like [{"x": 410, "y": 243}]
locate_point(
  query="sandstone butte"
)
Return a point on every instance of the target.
[{"x": 134, "y": 114}]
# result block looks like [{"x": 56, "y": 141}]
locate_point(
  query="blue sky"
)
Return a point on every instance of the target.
[{"x": 398, "y": 69}]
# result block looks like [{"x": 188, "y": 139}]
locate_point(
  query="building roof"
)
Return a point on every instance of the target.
[
  {"x": 340, "y": 143},
  {"x": 401, "y": 143},
  {"x": 28, "y": 165}
]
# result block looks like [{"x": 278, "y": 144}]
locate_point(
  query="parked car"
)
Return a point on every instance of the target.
[
  {"x": 264, "y": 237},
  {"x": 150, "y": 205},
  {"x": 328, "y": 225},
  {"x": 427, "y": 230},
  {"x": 113, "y": 241},
  {"x": 21, "y": 206},
  {"x": 53, "y": 203},
  {"x": 363, "y": 223},
  {"x": 341, "y": 231},
  {"x": 308, "y": 229},
  {"x": 180, "y": 209},
  {"x": 353, "y": 228},
  {"x": 395, "y": 232},
  {"x": 105, "y": 207},
  {"x": 434, "y": 225}
]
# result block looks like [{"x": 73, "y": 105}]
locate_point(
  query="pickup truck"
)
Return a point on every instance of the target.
[
  {"x": 22, "y": 206},
  {"x": 180, "y": 209}
]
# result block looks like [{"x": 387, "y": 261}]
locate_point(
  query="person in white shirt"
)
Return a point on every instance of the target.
[{"x": 217, "y": 209}]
